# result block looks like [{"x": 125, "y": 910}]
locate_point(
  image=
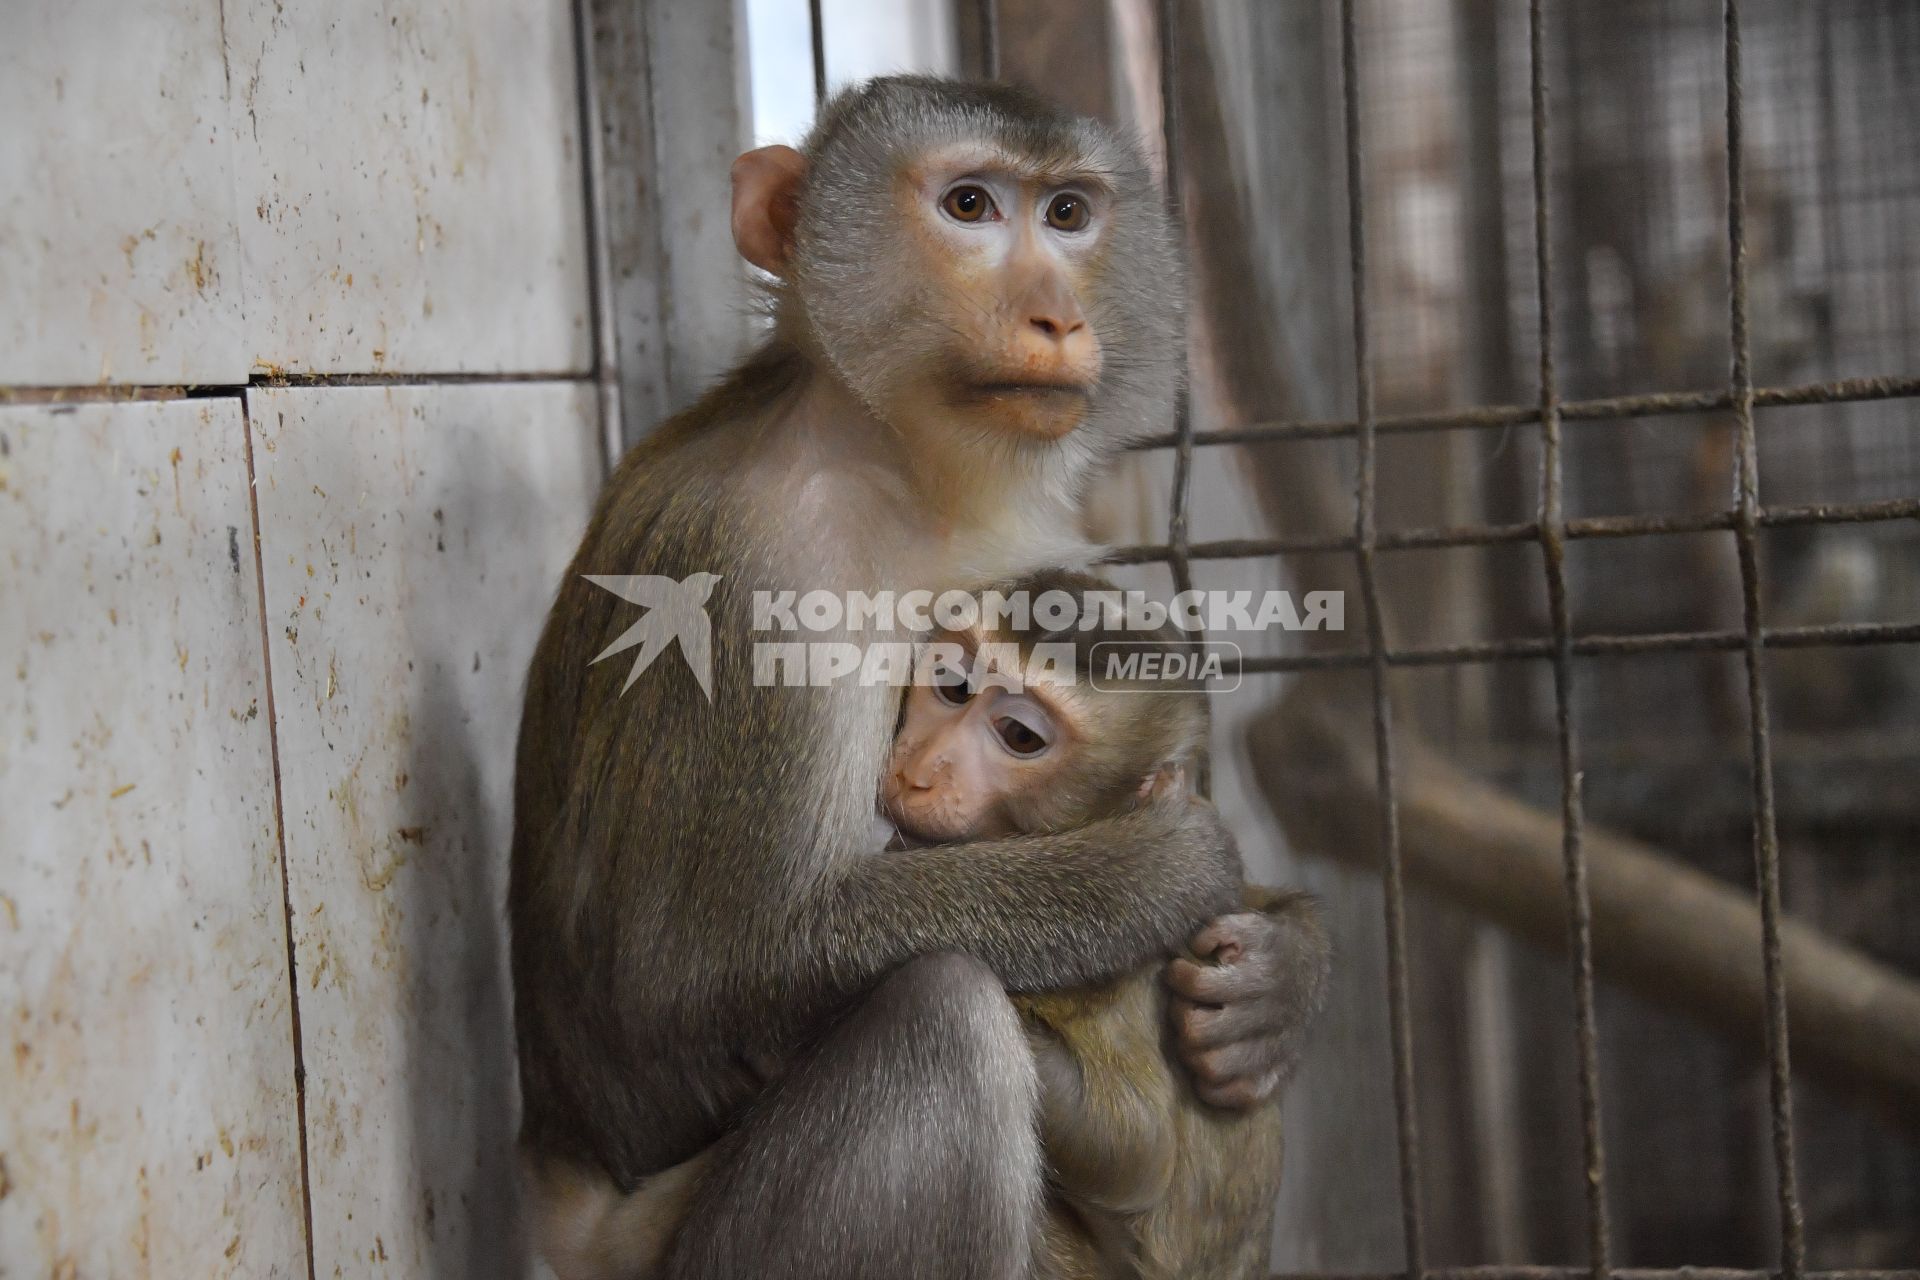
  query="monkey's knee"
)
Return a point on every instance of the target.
[
  {"x": 903, "y": 1145},
  {"x": 956, "y": 999},
  {"x": 957, "y": 1020},
  {"x": 965, "y": 1122}
]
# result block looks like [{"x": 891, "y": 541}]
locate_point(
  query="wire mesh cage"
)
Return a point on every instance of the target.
[{"x": 1627, "y": 500}]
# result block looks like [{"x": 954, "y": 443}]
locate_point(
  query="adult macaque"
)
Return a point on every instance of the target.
[
  {"x": 978, "y": 304},
  {"x": 1143, "y": 1179}
]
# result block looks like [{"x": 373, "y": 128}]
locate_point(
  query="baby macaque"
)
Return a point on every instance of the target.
[{"x": 1144, "y": 1178}]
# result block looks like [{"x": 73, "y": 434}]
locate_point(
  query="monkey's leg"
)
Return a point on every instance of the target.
[{"x": 903, "y": 1144}]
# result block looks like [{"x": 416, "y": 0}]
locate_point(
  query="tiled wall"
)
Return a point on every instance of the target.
[{"x": 264, "y": 643}]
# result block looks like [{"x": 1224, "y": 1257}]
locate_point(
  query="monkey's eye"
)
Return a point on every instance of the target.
[
  {"x": 1020, "y": 738},
  {"x": 967, "y": 203},
  {"x": 1067, "y": 211},
  {"x": 951, "y": 687}
]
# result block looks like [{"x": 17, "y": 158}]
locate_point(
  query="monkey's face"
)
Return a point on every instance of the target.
[
  {"x": 981, "y": 266},
  {"x": 964, "y": 755},
  {"x": 1007, "y": 253}
]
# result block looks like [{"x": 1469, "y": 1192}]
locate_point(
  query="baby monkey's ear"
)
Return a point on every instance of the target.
[
  {"x": 766, "y": 203},
  {"x": 1171, "y": 781}
]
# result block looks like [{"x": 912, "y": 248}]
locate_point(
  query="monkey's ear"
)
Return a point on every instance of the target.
[
  {"x": 766, "y": 202},
  {"x": 1168, "y": 782}
]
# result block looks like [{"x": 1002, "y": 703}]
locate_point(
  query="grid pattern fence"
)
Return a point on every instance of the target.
[{"x": 1552, "y": 530}]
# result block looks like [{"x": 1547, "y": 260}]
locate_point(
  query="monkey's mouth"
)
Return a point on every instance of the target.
[
  {"x": 909, "y": 834},
  {"x": 1046, "y": 408},
  {"x": 1028, "y": 388},
  {"x": 915, "y": 828}
]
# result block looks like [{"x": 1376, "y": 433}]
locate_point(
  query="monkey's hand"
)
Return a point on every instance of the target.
[{"x": 1242, "y": 1001}]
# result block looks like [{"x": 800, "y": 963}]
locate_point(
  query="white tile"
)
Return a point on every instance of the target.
[
  {"x": 412, "y": 539},
  {"x": 409, "y": 186},
  {"x": 118, "y": 255},
  {"x": 147, "y": 1120}
]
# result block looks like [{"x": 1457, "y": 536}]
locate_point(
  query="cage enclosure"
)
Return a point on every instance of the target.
[{"x": 1577, "y": 344}]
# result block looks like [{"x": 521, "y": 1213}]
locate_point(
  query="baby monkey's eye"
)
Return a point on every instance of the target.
[
  {"x": 967, "y": 203},
  {"x": 1067, "y": 211},
  {"x": 1021, "y": 739},
  {"x": 951, "y": 687}
]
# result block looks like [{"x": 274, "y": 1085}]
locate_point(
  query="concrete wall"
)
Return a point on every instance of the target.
[{"x": 297, "y": 429}]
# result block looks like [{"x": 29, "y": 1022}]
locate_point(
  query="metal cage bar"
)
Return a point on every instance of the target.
[
  {"x": 1553, "y": 548},
  {"x": 817, "y": 35},
  {"x": 1177, "y": 558},
  {"x": 1834, "y": 635},
  {"x": 1577, "y": 529},
  {"x": 1392, "y": 876},
  {"x": 989, "y": 12},
  {"x": 1513, "y": 1272},
  {"x": 1766, "y": 839},
  {"x": 1607, "y": 409}
]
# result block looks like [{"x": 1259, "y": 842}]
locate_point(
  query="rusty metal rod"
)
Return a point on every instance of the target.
[
  {"x": 1485, "y": 535},
  {"x": 1509, "y": 1272},
  {"x": 1552, "y": 526},
  {"x": 1670, "y": 933},
  {"x": 1813, "y": 637},
  {"x": 1607, "y": 409},
  {"x": 1766, "y": 837},
  {"x": 1384, "y": 803}
]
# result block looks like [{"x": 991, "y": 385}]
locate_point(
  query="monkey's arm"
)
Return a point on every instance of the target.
[
  {"x": 713, "y": 854},
  {"x": 694, "y": 855},
  {"x": 1242, "y": 1002},
  {"x": 1107, "y": 1094},
  {"x": 1044, "y": 911}
]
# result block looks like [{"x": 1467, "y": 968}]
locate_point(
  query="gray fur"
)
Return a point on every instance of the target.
[
  {"x": 689, "y": 890},
  {"x": 855, "y": 287},
  {"x": 942, "y": 1119}
]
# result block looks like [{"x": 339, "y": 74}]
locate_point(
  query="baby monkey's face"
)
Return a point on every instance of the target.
[{"x": 966, "y": 749}]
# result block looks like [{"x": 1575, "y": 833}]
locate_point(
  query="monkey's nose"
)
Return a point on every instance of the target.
[{"x": 1057, "y": 326}]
